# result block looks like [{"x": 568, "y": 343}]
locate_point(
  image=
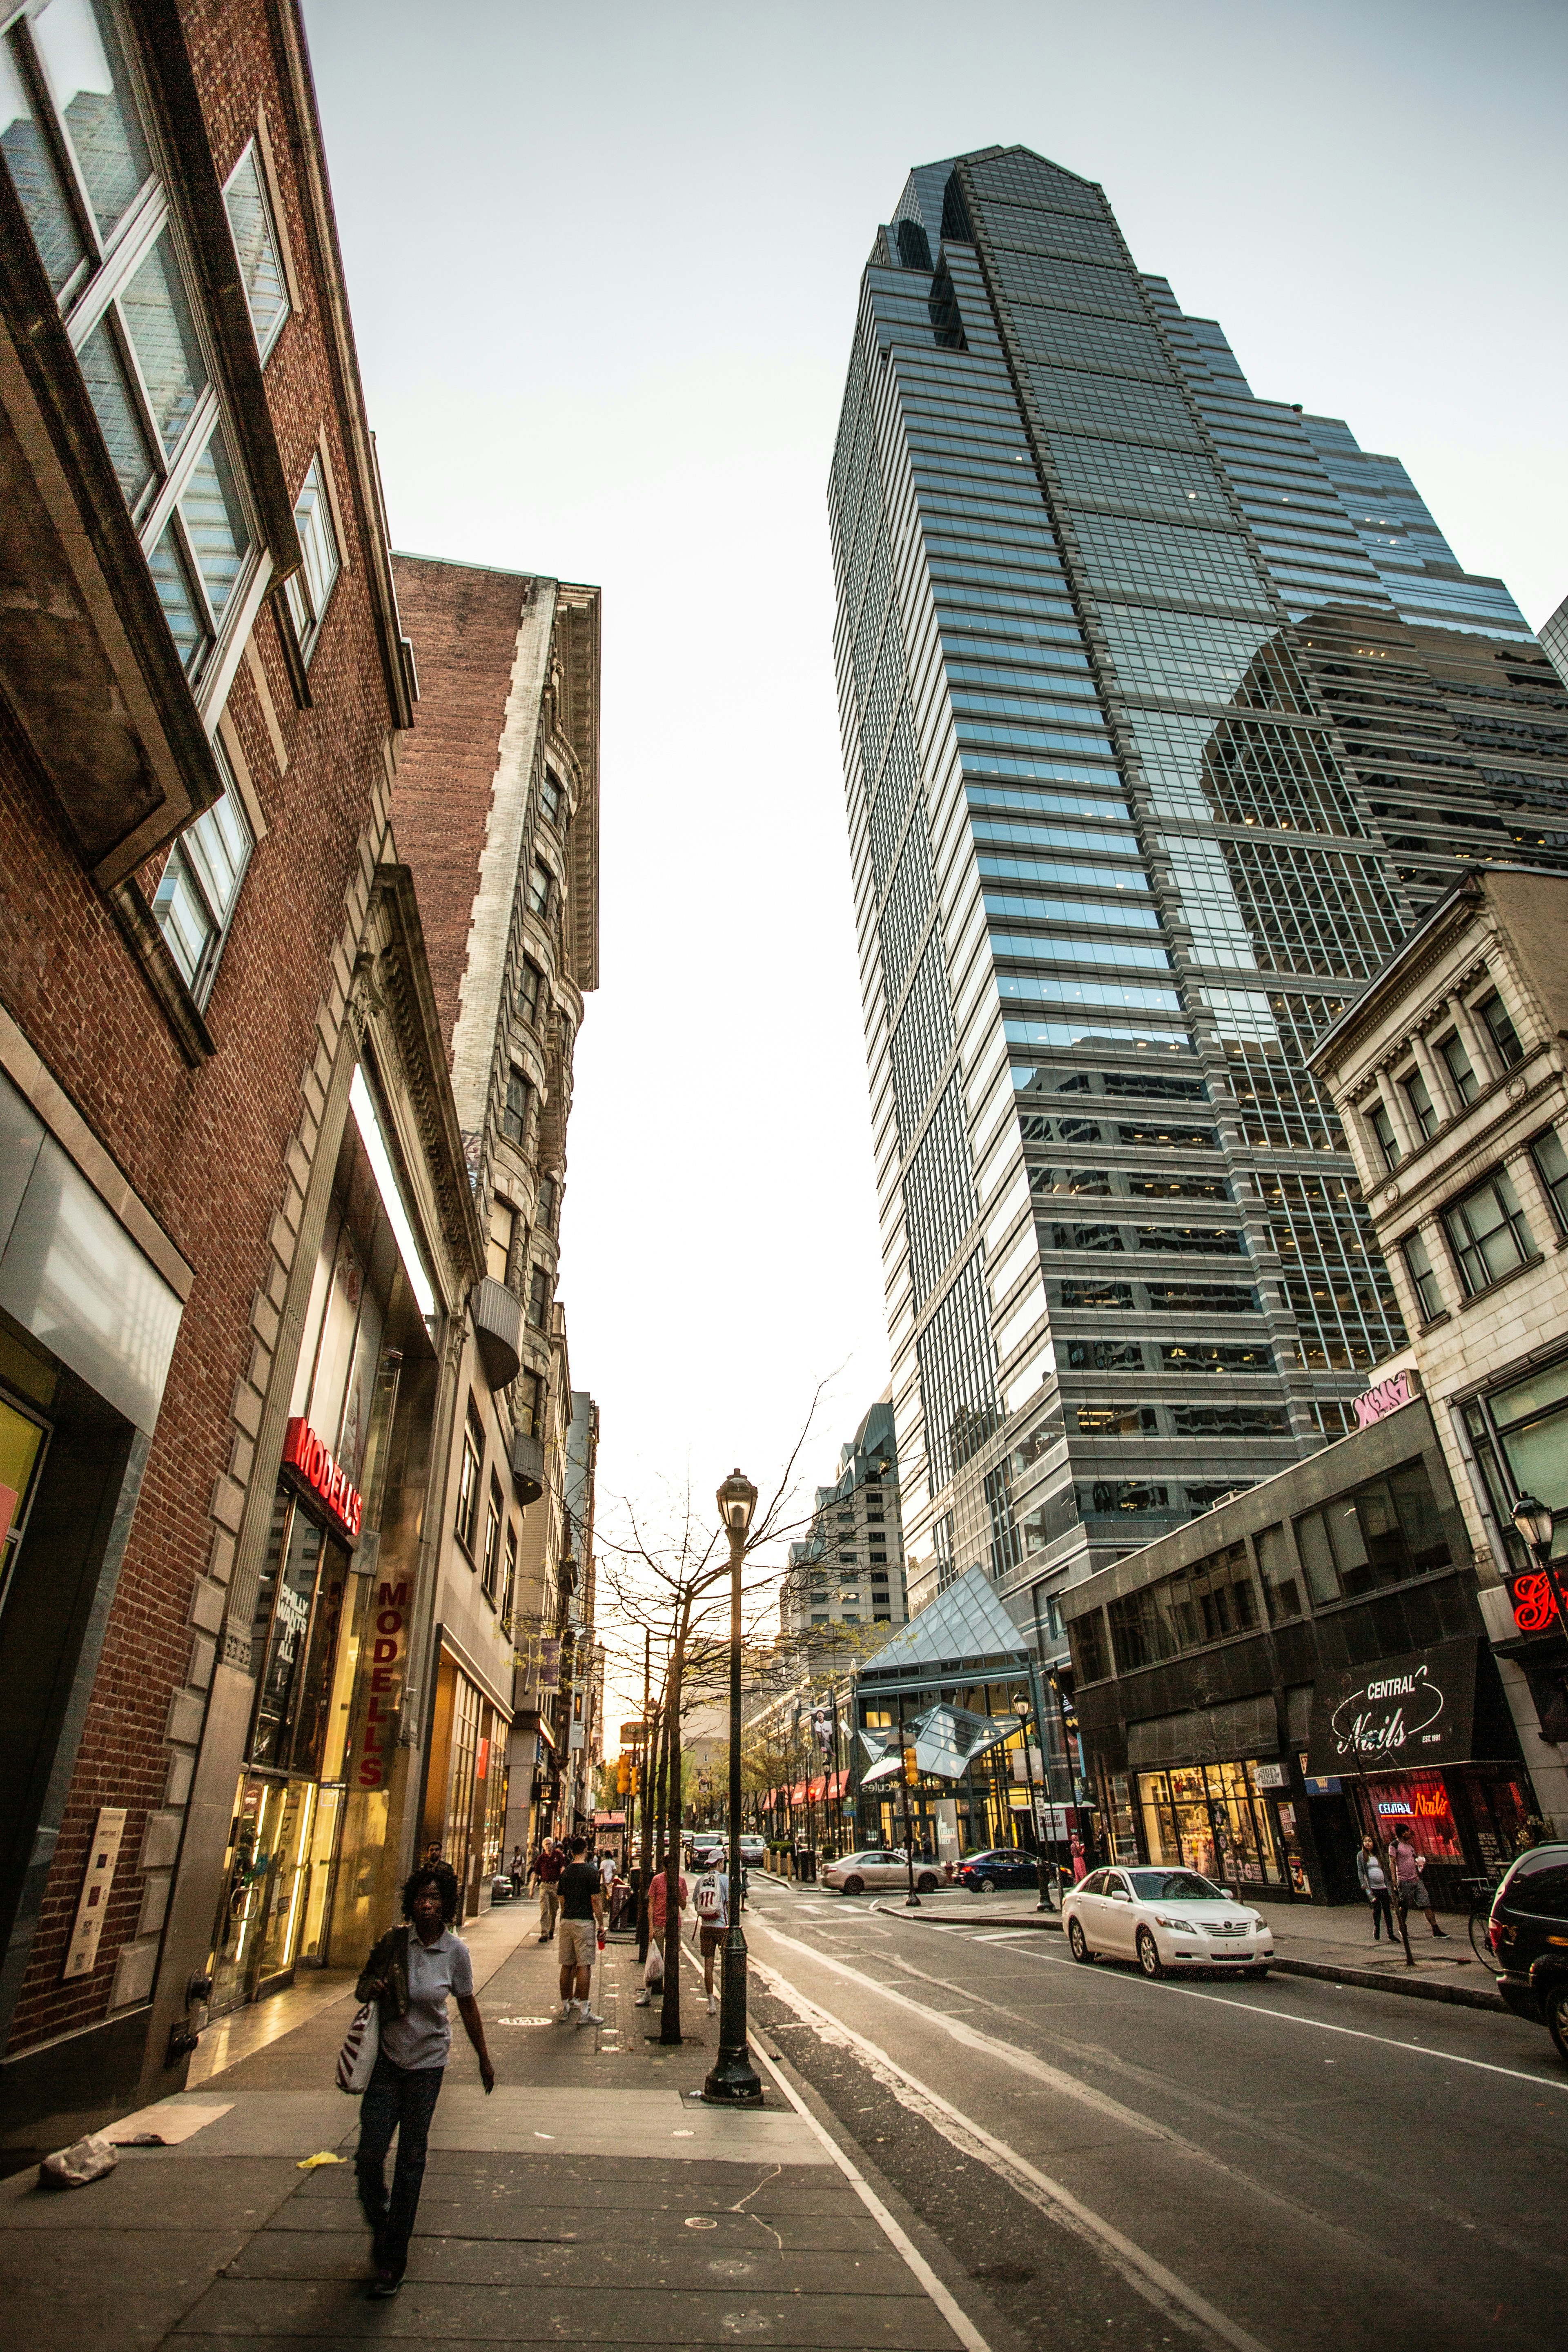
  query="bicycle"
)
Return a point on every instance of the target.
[{"x": 1482, "y": 1892}]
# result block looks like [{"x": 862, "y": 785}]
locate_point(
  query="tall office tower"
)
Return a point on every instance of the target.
[
  {"x": 1126, "y": 657},
  {"x": 851, "y": 1569}
]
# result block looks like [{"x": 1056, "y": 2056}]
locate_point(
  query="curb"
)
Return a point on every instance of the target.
[{"x": 1328, "y": 1972}]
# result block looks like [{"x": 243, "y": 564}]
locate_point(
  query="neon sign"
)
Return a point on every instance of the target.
[
  {"x": 1534, "y": 1603},
  {"x": 315, "y": 1467}
]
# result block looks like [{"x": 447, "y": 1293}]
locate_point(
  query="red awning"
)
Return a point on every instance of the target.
[
  {"x": 797, "y": 1794},
  {"x": 838, "y": 1783},
  {"x": 817, "y": 1790}
]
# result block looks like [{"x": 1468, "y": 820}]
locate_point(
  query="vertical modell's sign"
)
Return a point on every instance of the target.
[{"x": 385, "y": 1656}]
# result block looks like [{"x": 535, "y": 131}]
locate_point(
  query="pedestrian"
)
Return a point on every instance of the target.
[
  {"x": 1411, "y": 1887},
  {"x": 581, "y": 1934},
  {"x": 1079, "y": 1859},
  {"x": 606, "y": 1874},
  {"x": 517, "y": 1872},
  {"x": 657, "y": 1905},
  {"x": 1375, "y": 1887},
  {"x": 711, "y": 1905},
  {"x": 620, "y": 1896},
  {"x": 548, "y": 1864},
  {"x": 409, "y": 1974}
]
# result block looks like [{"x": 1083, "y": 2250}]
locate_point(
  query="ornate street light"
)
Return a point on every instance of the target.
[
  {"x": 733, "y": 2080},
  {"x": 1023, "y": 1708}
]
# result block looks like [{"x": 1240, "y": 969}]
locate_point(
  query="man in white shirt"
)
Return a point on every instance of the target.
[{"x": 409, "y": 1975}]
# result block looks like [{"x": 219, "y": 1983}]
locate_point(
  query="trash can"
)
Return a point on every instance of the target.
[{"x": 805, "y": 1865}]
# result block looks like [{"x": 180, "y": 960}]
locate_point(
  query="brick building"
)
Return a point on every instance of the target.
[
  {"x": 202, "y": 679},
  {"x": 496, "y": 808}
]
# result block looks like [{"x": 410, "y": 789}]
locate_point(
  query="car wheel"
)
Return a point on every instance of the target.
[
  {"x": 1555, "y": 2005},
  {"x": 1149, "y": 1959},
  {"x": 854, "y": 1886},
  {"x": 927, "y": 1883},
  {"x": 987, "y": 1885},
  {"x": 1078, "y": 1943}
]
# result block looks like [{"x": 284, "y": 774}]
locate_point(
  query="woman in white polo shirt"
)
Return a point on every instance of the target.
[{"x": 409, "y": 1975}]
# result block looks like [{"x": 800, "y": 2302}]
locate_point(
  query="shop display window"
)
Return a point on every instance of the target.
[
  {"x": 1211, "y": 1817},
  {"x": 1416, "y": 1805}
]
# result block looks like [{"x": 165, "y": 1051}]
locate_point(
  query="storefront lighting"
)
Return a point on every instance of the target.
[
  {"x": 387, "y": 1185},
  {"x": 1536, "y": 1522}
]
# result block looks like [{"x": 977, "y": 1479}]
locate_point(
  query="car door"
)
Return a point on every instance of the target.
[
  {"x": 1118, "y": 1924},
  {"x": 1087, "y": 1905}
]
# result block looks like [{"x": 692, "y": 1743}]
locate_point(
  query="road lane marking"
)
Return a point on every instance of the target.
[
  {"x": 1148, "y": 2277},
  {"x": 1317, "y": 2024},
  {"x": 952, "y": 2310}
]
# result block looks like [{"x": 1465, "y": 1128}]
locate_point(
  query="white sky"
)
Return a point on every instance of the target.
[{"x": 603, "y": 264}]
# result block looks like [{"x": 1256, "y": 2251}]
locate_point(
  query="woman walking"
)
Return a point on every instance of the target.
[
  {"x": 409, "y": 1975},
  {"x": 1373, "y": 1880}
]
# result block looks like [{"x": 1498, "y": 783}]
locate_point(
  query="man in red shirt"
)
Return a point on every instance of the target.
[{"x": 658, "y": 1902}]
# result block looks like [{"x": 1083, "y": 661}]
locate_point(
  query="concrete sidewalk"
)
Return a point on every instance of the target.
[
  {"x": 588, "y": 2200},
  {"x": 1334, "y": 1942}
]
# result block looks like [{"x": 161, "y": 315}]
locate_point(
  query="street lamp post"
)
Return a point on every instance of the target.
[
  {"x": 733, "y": 2080},
  {"x": 1023, "y": 1708},
  {"x": 911, "y": 1900},
  {"x": 1536, "y": 1523}
]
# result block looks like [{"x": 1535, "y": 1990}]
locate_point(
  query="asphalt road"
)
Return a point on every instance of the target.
[{"x": 1284, "y": 2166}]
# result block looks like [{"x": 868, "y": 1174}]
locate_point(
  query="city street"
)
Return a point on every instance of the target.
[{"x": 1288, "y": 2164}]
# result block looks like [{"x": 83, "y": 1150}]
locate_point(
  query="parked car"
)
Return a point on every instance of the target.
[
  {"x": 754, "y": 1849},
  {"x": 1000, "y": 1866},
  {"x": 877, "y": 1866},
  {"x": 1529, "y": 1932},
  {"x": 1165, "y": 1919}
]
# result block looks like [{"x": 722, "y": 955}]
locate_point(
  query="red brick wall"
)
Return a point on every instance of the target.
[
  {"x": 205, "y": 1147},
  {"x": 464, "y": 623}
]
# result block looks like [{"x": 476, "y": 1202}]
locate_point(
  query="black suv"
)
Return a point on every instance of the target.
[{"x": 1529, "y": 1931}]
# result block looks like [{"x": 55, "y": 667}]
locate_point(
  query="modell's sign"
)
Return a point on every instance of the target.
[
  {"x": 381, "y": 1684},
  {"x": 1532, "y": 1600},
  {"x": 1388, "y": 1396},
  {"x": 1397, "y": 1714},
  {"x": 315, "y": 1467}
]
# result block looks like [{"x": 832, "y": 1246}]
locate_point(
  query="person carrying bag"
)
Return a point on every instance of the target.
[{"x": 402, "y": 2056}]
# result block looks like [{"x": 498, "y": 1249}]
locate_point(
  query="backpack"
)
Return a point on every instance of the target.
[{"x": 710, "y": 1902}]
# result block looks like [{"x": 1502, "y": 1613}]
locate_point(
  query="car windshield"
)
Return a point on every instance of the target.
[{"x": 1173, "y": 1886}]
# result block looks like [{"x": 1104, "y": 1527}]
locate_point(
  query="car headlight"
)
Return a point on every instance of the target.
[{"x": 1162, "y": 1920}]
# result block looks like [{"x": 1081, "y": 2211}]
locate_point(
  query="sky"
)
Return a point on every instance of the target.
[{"x": 603, "y": 264}]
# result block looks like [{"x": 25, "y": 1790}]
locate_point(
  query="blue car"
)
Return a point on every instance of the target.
[{"x": 1001, "y": 1865}]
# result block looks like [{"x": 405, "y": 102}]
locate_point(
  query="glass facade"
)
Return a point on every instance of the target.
[{"x": 1167, "y": 713}]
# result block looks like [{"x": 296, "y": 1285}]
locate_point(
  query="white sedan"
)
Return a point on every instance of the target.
[
  {"x": 1165, "y": 1919},
  {"x": 877, "y": 1866}
]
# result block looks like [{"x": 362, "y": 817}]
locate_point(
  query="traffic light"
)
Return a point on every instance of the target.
[
  {"x": 636, "y": 1780},
  {"x": 911, "y": 1768},
  {"x": 624, "y": 1776}
]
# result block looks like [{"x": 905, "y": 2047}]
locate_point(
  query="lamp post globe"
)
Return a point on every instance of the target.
[
  {"x": 1536, "y": 1522},
  {"x": 733, "y": 2080}
]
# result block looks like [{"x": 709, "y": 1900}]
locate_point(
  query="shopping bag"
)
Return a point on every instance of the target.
[
  {"x": 653, "y": 1974},
  {"x": 362, "y": 2044}
]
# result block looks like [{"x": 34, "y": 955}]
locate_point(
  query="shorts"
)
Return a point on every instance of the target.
[
  {"x": 579, "y": 1942},
  {"x": 711, "y": 1936},
  {"x": 1413, "y": 1895}
]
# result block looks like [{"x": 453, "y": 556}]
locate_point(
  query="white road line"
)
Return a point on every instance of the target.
[
  {"x": 952, "y": 2310},
  {"x": 1544, "y": 2080},
  {"x": 1170, "y": 2294},
  {"x": 1000, "y": 1936}
]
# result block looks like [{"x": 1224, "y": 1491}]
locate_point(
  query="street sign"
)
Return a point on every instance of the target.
[{"x": 632, "y": 1734}]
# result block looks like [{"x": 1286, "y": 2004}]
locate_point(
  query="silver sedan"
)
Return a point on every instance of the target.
[{"x": 877, "y": 1866}]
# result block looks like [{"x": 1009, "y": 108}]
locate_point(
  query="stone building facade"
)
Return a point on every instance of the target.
[
  {"x": 496, "y": 808},
  {"x": 1448, "y": 1073}
]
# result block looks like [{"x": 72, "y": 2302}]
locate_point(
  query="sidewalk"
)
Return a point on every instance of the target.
[
  {"x": 1309, "y": 1940},
  {"x": 587, "y": 2201}
]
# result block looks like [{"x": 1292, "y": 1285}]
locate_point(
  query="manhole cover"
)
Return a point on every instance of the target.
[{"x": 700, "y": 2222}]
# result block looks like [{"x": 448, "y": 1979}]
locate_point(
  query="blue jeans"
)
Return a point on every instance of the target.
[{"x": 401, "y": 2099}]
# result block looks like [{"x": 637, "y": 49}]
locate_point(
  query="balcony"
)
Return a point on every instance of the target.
[
  {"x": 528, "y": 1467},
  {"x": 498, "y": 1327}
]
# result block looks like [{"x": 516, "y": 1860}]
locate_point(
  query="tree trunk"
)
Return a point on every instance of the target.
[
  {"x": 670, "y": 2015},
  {"x": 654, "y": 1721}
]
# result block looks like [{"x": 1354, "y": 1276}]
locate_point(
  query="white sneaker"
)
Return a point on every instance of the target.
[
  {"x": 712, "y": 2006},
  {"x": 563, "y": 2012},
  {"x": 589, "y": 2017},
  {"x": 643, "y": 1998}
]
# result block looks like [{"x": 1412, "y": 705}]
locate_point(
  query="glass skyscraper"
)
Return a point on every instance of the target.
[{"x": 1166, "y": 711}]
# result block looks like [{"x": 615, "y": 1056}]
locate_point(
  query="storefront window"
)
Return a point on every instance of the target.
[
  {"x": 22, "y": 1442},
  {"x": 299, "y": 1619},
  {"x": 1416, "y": 1805},
  {"x": 1210, "y": 1818}
]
